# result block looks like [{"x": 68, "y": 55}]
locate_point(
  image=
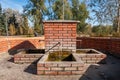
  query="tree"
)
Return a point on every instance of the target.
[
  {"x": 21, "y": 30},
  {"x": 50, "y": 13},
  {"x": 36, "y": 9},
  {"x": 25, "y": 26},
  {"x": 14, "y": 18},
  {"x": 12, "y": 30},
  {"x": 102, "y": 30},
  {"x": 79, "y": 11},
  {"x": 2, "y": 22},
  {"x": 103, "y": 11},
  {"x": 58, "y": 10},
  {"x": 88, "y": 29}
]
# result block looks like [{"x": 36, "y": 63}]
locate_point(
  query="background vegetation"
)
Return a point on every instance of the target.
[{"x": 103, "y": 12}]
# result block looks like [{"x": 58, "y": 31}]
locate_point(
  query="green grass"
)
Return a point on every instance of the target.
[{"x": 58, "y": 56}]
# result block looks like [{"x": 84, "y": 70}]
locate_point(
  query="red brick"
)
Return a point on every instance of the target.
[
  {"x": 67, "y": 45},
  {"x": 25, "y": 59},
  {"x": 19, "y": 55},
  {"x": 64, "y": 72},
  {"x": 57, "y": 34},
  {"x": 77, "y": 64},
  {"x": 66, "y": 39},
  {"x": 71, "y": 26},
  {"x": 64, "y": 64},
  {"x": 40, "y": 72},
  {"x": 16, "y": 59},
  {"x": 73, "y": 32},
  {"x": 51, "y": 72},
  {"x": 77, "y": 72},
  {"x": 70, "y": 68},
  {"x": 50, "y": 65},
  {"x": 43, "y": 68},
  {"x": 53, "y": 32},
  {"x": 90, "y": 55},
  {"x": 53, "y": 37},
  {"x": 62, "y": 32},
  {"x": 29, "y": 55},
  {"x": 58, "y": 29},
  {"x": 80, "y": 68},
  {"x": 48, "y": 29},
  {"x": 57, "y": 68},
  {"x": 48, "y": 35},
  {"x": 66, "y": 29},
  {"x": 69, "y": 35},
  {"x": 62, "y": 37},
  {"x": 74, "y": 35}
]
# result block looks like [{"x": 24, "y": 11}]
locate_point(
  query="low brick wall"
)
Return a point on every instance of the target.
[
  {"x": 26, "y": 58},
  {"x": 11, "y": 44},
  {"x": 59, "y": 68},
  {"x": 92, "y": 58},
  {"x": 111, "y": 45}
]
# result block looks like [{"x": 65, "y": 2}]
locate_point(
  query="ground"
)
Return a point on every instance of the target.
[{"x": 12, "y": 71}]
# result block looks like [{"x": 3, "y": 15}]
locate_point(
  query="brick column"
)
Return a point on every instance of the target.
[{"x": 62, "y": 31}]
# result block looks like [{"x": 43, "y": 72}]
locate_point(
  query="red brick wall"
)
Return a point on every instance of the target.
[
  {"x": 64, "y": 32},
  {"x": 111, "y": 45},
  {"x": 11, "y": 44},
  {"x": 106, "y": 44}
]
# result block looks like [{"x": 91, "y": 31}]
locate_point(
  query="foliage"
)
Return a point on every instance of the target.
[
  {"x": 25, "y": 26},
  {"x": 12, "y": 29},
  {"x": 2, "y": 22},
  {"x": 79, "y": 11},
  {"x": 17, "y": 23},
  {"x": 58, "y": 10},
  {"x": 104, "y": 11},
  {"x": 102, "y": 31},
  {"x": 36, "y": 9}
]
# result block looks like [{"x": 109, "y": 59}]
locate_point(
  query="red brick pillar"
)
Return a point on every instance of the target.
[{"x": 60, "y": 31}]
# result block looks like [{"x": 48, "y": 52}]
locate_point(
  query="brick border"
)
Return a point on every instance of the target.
[
  {"x": 97, "y": 57},
  {"x": 21, "y": 57},
  {"x": 59, "y": 68}
]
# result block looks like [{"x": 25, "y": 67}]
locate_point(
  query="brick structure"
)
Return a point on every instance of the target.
[
  {"x": 92, "y": 58},
  {"x": 76, "y": 67},
  {"x": 11, "y": 44},
  {"x": 60, "y": 68},
  {"x": 21, "y": 57},
  {"x": 110, "y": 45},
  {"x": 62, "y": 31}
]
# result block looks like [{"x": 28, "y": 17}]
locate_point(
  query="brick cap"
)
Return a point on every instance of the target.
[{"x": 64, "y": 21}]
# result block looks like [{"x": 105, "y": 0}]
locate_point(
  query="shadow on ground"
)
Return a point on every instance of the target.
[
  {"x": 32, "y": 68},
  {"x": 11, "y": 59},
  {"x": 108, "y": 71},
  {"x": 23, "y": 45}
]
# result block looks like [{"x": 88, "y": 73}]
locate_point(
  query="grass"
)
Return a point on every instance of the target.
[
  {"x": 60, "y": 56},
  {"x": 85, "y": 51}
]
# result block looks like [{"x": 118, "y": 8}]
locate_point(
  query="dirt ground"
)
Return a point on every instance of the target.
[{"x": 11, "y": 71}]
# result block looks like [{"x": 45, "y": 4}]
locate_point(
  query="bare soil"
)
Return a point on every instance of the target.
[{"x": 12, "y": 71}]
